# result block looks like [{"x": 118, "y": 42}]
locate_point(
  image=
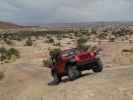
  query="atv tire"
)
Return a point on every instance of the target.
[
  {"x": 98, "y": 67},
  {"x": 73, "y": 73},
  {"x": 56, "y": 77}
]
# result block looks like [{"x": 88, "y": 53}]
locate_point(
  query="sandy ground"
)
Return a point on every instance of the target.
[
  {"x": 26, "y": 79},
  {"x": 26, "y": 82}
]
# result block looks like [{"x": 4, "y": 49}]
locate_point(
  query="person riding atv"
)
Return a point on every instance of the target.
[{"x": 71, "y": 62}]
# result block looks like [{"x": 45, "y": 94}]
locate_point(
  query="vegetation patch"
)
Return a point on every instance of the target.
[
  {"x": 81, "y": 44},
  {"x": 47, "y": 63},
  {"x": 7, "y": 55},
  {"x": 82, "y": 40},
  {"x": 1, "y": 75},
  {"x": 29, "y": 42},
  {"x": 53, "y": 54}
]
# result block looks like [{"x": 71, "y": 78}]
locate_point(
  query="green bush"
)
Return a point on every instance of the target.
[
  {"x": 3, "y": 50},
  {"x": 82, "y": 40},
  {"x": 49, "y": 39},
  {"x": 12, "y": 52},
  {"x": 81, "y": 44},
  {"x": 57, "y": 44},
  {"x": 7, "y": 54},
  {"x": 29, "y": 42},
  {"x": 78, "y": 34},
  {"x": 1, "y": 75},
  {"x": 8, "y": 42},
  {"x": 102, "y": 36},
  {"x": 47, "y": 63},
  {"x": 54, "y": 52},
  {"x": 111, "y": 39},
  {"x": 3, "y": 53},
  {"x": 82, "y": 47}
]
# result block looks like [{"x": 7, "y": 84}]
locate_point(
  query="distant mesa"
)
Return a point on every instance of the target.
[
  {"x": 62, "y": 26},
  {"x": 9, "y": 25}
]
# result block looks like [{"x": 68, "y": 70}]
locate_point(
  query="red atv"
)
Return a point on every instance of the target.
[{"x": 72, "y": 61}]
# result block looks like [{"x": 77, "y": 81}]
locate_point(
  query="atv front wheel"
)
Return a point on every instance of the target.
[
  {"x": 73, "y": 73},
  {"x": 56, "y": 77},
  {"x": 98, "y": 67}
]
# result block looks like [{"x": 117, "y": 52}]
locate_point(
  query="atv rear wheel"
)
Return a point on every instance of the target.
[
  {"x": 98, "y": 67},
  {"x": 73, "y": 73},
  {"x": 56, "y": 77}
]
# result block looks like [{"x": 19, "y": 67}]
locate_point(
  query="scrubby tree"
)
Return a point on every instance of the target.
[
  {"x": 81, "y": 44},
  {"x": 3, "y": 54},
  {"x": 1, "y": 75},
  {"x": 29, "y": 42},
  {"x": 13, "y": 52},
  {"x": 7, "y": 54}
]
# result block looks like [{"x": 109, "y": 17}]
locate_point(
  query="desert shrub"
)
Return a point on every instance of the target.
[
  {"x": 3, "y": 50},
  {"x": 2, "y": 58},
  {"x": 18, "y": 38},
  {"x": 78, "y": 34},
  {"x": 65, "y": 36},
  {"x": 54, "y": 52},
  {"x": 71, "y": 37},
  {"x": 47, "y": 63},
  {"x": 127, "y": 51},
  {"x": 7, "y": 54},
  {"x": 82, "y": 40},
  {"x": 3, "y": 53},
  {"x": 102, "y": 36},
  {"x": 29, "y": 42},
  {"x": 48, "y": 36},
  {"x": 93, "y": 31},
  {"x": 50, "y": 40},
  {"x": 59, "y": 37},
  {"x": 13, "y": 52},
  {"x": 8, "y": 42},
  {"x": 57, "y": 44},
  {"x": 81, "y": 44},
  {"x": 1, "y": 75},
  {"x": 111, "y": 39},
  {"x": 82, "y": 47}
]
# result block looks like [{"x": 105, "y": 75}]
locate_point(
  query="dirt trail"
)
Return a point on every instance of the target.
[
  {"x": 26, "y": 79},
  {"x": 28, "y": 82}
]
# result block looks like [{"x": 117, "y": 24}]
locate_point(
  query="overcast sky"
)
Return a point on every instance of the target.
[{"x": 51, "y": 11}]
